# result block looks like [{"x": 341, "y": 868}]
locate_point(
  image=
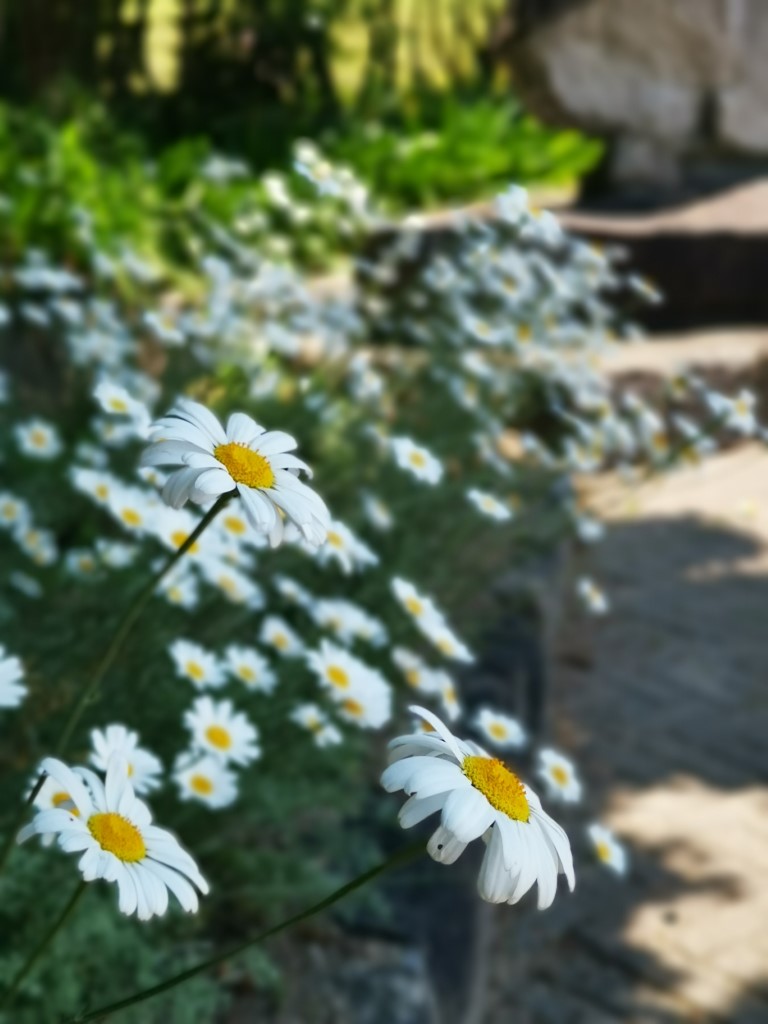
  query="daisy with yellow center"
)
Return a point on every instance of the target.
[
  {"x": 276, "y": 633},
  {"x": 347, "y": 550},
  {"x": 559, "y": 776},
  {"x": 608, "y": 849},
  {"x": 38, "y": 439},
  {"x": 198, "y": 665},
  {"x": 13, "y": 510},
  {"x": 362, "y": 695},
  {"x": 592, "y": 597},
  {"x": 112, "y": 830},
  {"x": 478, "y": 797},
  {"x": 221, "y": 732},
  {"x": 312, "y": 718},
  {"x": 144, "y": 769},
  {"x": 489, "y": 505},
  {"x": 242, "y": 458},
  {"x": 416, "y": 460},
  {"x": 501, "y": 731},
  {"x": 205, "y": 780},
  {"x": 12, "y": 689},
  {"x": 250, "y": 668}
]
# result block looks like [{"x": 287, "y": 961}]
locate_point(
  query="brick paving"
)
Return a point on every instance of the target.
[{"x": 665, "y": 706}]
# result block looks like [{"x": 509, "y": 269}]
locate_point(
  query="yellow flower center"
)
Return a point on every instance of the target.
[
  {"x": 603, "y": 851},
  {"x": 245, "y": 466},
  {"x": 246, "y": 673},
  {"x": 102, "y": 491},
  {"x": 201, "y": 785},
  {"x": 218, "y": 737},
  {"x": 334, "y": 539},
  {"x": 414, "y": 606},
  {"x": 445, "y": 645},
  {"x": 38, "y": 438},
  {"x": 353, "y": 707},
  {"x": 524, "y": 333},
  {"x": 9, "y": 511},
  {"x": 64, "y": 798},
  {"x": 337, "y": 676},
  {"x": 130, "y": 517},
  {"x": 280, "y": 640},
  {"x": 118, "y": 405},
  {"x": 500, "y": 787},
  {"x": 559, "y": 774},
  {"x": 234, "y": 524},
  {"x": 177, "y": 539},
  {"x": 498, "y": 731},
  {"x": 413, "y": 677},
  {"x": 195, "y": 670},
  {"x": 117, "y": 835},
  {"x": 417, "y": 459}
]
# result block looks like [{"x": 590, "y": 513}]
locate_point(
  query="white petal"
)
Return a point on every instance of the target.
[{"x": 444, "y": 846}]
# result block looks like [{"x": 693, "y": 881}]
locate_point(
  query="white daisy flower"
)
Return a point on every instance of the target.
[
  {"x": 195, "y": 663},
  {"x": 419, "y": 606},
  {"x": 377, "y": 513},
  {"x": 219, "y": 730},
  {"x": 143, "y": 768},
  {"x": 500, "y": 730},
  {"x": 445, "y": 640},
  {"x": 38, "y": 439},
  {"x": 250, "y": 667},
  {"x": 207, "y": 780},
  {"x": 369, "y": 707},
  {"x": 361, "y": 693},
  {"x": 115, "y": 400},
  {"x": 96, "y": 483},
  {"x": 81, "y": 562},
  {"x": 559, "y": 776},
  {"x": 132, "y": 508},
  {"x": 478, "y": 797},
  {"x": 179, "y": 587},
  {"x": 417, "y": 460},
  {"x": 337, "y": 670},
  {"x": 449, "y": 697},
  {"x": 608, "y": 849},
  {"x": 276, "y": 633},
  {"x": 348, "y": 621},
  {"x": 314, "y": 719},
  {"x": 415, "y": 670},
  {"x": 245, "y": 458},
  {"x": 113, "y": 830},
  {"x": 342, "y": 546},
  {"x": 13, "y": 511},
  {"x": 737, "y": 413},
  {"x": 291, "y": 590},
  {"x": 593, "y": 598},
  {"x": 39, "y": 545},
  {"x": 235, "y": 585},
  {"x": 489, "y": 505},
  {"x": 12, "y": 690}
]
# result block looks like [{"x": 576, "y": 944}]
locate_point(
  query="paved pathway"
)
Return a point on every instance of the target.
[{"x": 665, "y": 705}]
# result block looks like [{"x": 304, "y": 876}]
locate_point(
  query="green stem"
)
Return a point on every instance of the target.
[
  {"x": 401, "y": 857},
  {"x": 43, "y": 945},
  {"x": 89, "y": 691}
]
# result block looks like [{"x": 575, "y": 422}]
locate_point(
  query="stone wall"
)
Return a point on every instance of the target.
[{"x": 665, "y": 80}]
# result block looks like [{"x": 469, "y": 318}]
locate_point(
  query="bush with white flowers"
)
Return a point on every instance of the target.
[{"x": 244, "y": 527}]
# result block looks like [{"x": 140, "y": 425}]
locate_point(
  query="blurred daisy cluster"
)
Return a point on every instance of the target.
[{"x": 376, "y": 453}]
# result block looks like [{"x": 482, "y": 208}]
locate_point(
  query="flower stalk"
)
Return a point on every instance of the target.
[
  {"x": 36, "y": 955},
  {"x": 396, "y": 860}
]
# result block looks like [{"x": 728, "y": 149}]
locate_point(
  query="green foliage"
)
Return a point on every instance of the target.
[{"x": 464, "y": 150}]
